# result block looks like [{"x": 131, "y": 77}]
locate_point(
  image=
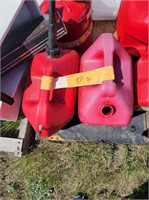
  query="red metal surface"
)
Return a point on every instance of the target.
[
  {"x": 141, "y": 80},
  {"x": 78, "y": 21},
  {"x": 132, "y": 25},
  {"x": 110, "y": 103},
  {"x": 50, "y": 109}
]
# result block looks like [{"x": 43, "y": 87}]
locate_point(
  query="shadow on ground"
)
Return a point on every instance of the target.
[{"x": 139, "y": 193}]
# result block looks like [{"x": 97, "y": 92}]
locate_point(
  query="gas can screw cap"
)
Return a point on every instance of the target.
[{"x": 54, "y": 53}]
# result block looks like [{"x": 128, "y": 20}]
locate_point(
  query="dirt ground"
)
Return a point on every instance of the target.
[{"x": 58, "y": 171}]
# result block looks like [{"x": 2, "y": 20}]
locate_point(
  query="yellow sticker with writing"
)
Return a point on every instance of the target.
[{"x": 93, "y": 77}]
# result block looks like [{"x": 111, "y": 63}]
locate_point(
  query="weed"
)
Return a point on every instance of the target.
[
  {"x": 38, "y": 189},
  {"x": 11, "y": 188},
  {"x": 9, "y": 128}
]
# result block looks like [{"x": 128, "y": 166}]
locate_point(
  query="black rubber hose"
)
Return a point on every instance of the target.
[{"x": 52, "y": 48}]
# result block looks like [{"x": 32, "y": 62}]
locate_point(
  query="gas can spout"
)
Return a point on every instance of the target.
[
  {"x": 52, "y": 49},
  {"x": 107, "y": 110}
]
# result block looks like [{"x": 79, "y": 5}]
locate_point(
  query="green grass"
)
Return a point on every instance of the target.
[
  {"x": 8, "y": 128},
  {"x": 63, "y": 170}
]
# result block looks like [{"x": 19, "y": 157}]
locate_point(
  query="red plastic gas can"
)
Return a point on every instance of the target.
[
  {"x": 110, "y": 103},
  {"x": 132, "y": 25},
  {"x": 49, "y": 111},
  {"x": 141, "y": 80},
  {"x": 77, "y": 18}
]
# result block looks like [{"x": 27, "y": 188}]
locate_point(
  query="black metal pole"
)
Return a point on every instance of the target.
[{"x": 52, "y": 48}]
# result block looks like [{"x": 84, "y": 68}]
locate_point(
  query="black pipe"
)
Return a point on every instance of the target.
[
  {"x": 52, "y": 49},
  {"x": 51, "y": 11}
]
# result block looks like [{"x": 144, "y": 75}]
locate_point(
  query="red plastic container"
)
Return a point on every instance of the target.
[
  {"x": 132, "y": 25},
  {"x": 141, "y": 80},
  {"x": 77, "y": 18},
  {"x": 110, "y": 103},
  {"x": 49, "y": 111}
]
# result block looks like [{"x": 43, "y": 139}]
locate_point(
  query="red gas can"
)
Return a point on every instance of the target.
[
  {"x": 49, "y": 110},
  {"x": 141, "y": 80},
  {"x": 77, "y": 18},
  {"x": 132, "y": 25},
  {"x": 110, "y": 103}
]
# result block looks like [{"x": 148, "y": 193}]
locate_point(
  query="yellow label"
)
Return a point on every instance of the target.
[
  {"x": 46, "y": 83},
  {"x": 91, "y": 77}
]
